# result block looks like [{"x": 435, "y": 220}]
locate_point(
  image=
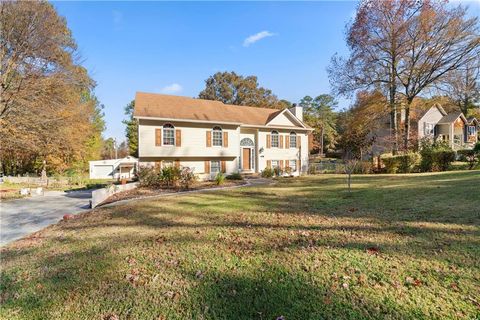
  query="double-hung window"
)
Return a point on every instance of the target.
[
  {"x": 293, "y": 165},
  {"x": 217, "y": 137},
  {"x": 168, "y": 135},
  {"x": 275, "y": 164},
  {"x": 293, "y": 140},
  {"x": 215, "y": 166},
  {"x": 429, "y": 128},
  {"x": 472, "y": 130},
  {"x": 275, "y": 140}
]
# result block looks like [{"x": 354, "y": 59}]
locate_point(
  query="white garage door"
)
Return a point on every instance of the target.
[{"x": 103, "y": 171}]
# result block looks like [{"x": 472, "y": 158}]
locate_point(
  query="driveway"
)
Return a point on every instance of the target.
[{"x": 21, "y": 217}]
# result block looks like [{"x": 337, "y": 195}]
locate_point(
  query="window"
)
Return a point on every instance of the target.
[
  {"x": 293, "y": 140},
  {"x": 293, "y": 165},
  {"x": 275, "y": 139},
  {"x": 217, "y": 137},
  {"x": 215, "y": 166},
  {"x": 429, "y": 128},
  {"x": 471, "y": 130},
  {"x": 275, "y": 164},
  {"x": 168, "y": 135}
]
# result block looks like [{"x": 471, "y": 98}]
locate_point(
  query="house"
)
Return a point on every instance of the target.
[
  {"x": 113, "y": 168},
  {"x": 436, "y": 124},
  {"x": 211, "y": 137}
]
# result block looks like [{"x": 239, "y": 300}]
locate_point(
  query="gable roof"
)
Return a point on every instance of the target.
[
  {"x": 162, "y": 106},
  {"x": 471, "y": 120},
  {"x": 422, "y": 113},
  {"x": 450, "y": 118}
]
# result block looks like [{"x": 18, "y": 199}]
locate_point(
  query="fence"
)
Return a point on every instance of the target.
[{"x": 326, "y": 166}]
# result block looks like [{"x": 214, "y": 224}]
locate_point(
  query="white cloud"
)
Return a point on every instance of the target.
[
  {"x": 257, "y": 37},
  {"x": 172, "y": 88},
  {"x": 117, "y": 17}
]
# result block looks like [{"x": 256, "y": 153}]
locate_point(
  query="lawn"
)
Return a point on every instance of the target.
[{"x": 397, "y": 247}]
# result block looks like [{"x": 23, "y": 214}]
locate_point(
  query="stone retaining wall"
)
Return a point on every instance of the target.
[{"x": 100, "y": 195}]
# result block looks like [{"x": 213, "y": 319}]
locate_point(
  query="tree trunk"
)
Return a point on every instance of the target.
[
  {"x": 406, "y": 138},
  {"x": 393, "y": 110},
  {"x": 321, "y": 142}
]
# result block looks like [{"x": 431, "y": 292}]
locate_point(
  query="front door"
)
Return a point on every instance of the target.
[{"x": 246, "y": 165}]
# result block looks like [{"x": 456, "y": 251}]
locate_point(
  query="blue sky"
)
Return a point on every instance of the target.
[{"x": 172, "y": 47}]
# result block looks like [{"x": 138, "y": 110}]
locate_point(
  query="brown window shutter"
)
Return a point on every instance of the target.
[
  {"x": 158, "y": 165},
  {"x": 299, "y": 165},
  {"x": 178, "y": 138},
  {"x": 299, "y": 142},
  {"x": 158, "y": 137},
  {"x": 269, "y": 141},
  {"x": 225, "y": 139},
  {"x": 287, "y": 164},
  {"x": 209, "y": 139},
  {"x": 177, "y": 163},
  {"x": 223, "y": 165},
  {"x": 207, "y": 166},
  {"x": 287, "y": 142},
  {"x": 281, "y": 164},
  {"x": 269, "y": 164},
  {"x": 281, "y": 141}
]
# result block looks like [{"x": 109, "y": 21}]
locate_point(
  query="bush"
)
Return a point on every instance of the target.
[
  {"x": 436, "y": 156},
  {"x": 404, "y": 163},
  {"x": 469, "y": 156},
  {"x": 278, "y": 172},
  {"x": 170, "y": 176},
  {"x": 219, "y": 178},
  {"x": 363, "y": 167},
  {"x": 187, "y": 178},
  {"x": 235, "y": 176},
  {"x": 149, "y": 177},
  {"x": 268, "y": 173}
]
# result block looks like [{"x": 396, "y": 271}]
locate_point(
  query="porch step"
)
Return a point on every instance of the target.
[{"x": 250, "y": 175}]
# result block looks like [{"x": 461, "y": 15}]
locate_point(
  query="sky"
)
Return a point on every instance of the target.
[{"x": 173, "y": 47}]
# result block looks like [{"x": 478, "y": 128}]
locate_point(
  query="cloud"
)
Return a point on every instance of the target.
[
  {"x": 172, "y": 88},
  {"x": 117, "y": 17},
  {"x": 257, "y": 37}
]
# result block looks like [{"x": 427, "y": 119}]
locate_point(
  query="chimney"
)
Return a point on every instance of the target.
[{"x": 297, "y": 111}]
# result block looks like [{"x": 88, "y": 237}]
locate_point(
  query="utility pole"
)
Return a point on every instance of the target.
[{"x": 115, "y": 147}]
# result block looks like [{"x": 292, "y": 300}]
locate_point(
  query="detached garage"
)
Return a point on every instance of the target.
[{"x": 114, "y": 168}]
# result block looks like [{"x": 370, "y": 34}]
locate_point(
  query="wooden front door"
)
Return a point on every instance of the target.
[{"x": 246, "y": 159}]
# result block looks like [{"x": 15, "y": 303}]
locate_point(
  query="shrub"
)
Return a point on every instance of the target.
[
  {"x": 391, "y": 164},
  {"x": 404, "y": 163},
  {"x": 149, "y": 177},
  {"x": 187, "y": 177},
  {"x": 278, "y": 172},
  {"x": 170, "y": 176},
  {"x": 469, "y": 156},
  {"x": 436, "y": 156},
  {"x": 363, "y": 167},
  {"x": 219, "y": 178},
  {"x": 235, "y": 176},
  {"x": 268, "y": 173}
]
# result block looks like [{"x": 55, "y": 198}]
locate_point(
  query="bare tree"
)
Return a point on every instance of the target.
[
  {"x": 439, "y": 41},
  {"x": 376, "y": 41}
]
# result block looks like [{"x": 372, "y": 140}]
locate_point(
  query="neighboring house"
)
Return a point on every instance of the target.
[
  {"x": 453, "y": 128},
  {"x": 211, "y": 137},
  {"x": 113, "y": 168}
]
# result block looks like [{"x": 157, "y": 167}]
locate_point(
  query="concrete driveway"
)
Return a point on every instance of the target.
[{"x": 21, "y": 217}]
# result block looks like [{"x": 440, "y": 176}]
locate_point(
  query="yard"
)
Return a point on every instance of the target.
[{"x": 398, "y": 247}]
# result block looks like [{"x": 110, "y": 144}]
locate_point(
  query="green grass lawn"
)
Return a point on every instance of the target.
[{"x": 399, "y": 247}]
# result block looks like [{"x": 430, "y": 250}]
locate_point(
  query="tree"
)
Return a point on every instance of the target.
[
  {"x": 319, "y": 114},
  {"x": 47, "y": 108},
  {"x": 230, "y": 88},
  {"x": 439, "y": 41},
  {"x": 462, "y": 86},
  {"x": 37, "y": 54},
  {"x": 376, "y": 43},
  {"x": 131, "y": 129},
  {"x": 108, "y": 150}
]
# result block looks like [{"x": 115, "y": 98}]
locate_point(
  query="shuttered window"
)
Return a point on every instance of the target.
[
  {"x": 293, "y": 140},
  {"x": 274, "y": 139},
  {"x": 215, "y": 166},
  {"x": 168, "y": 135},
  {"x": 292, "y": 164},
  {"x": 217, "y": 137}
]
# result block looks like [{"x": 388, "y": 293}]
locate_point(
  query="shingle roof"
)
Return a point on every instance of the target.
[
  {"x": 184, "y": 108},
  {"x": 451, "y": 117}
]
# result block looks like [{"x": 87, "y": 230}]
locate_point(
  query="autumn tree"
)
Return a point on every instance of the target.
[
  {"x": 375, "y": 40},
  {"x": 439, "y": 41},
  {"x": 47, "y": 107},
  {"x": 231, "y": 88},
  {"x": 131, "y": 129},
  {"x": 319, "y": 113}
]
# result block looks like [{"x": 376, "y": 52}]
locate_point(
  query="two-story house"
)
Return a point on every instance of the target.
[{"x": 211, "y": 137}]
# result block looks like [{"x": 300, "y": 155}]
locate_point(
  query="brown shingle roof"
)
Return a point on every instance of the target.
[
  {"x": 184, "y": 108},
  {"x": 449, "y": 118}
]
